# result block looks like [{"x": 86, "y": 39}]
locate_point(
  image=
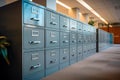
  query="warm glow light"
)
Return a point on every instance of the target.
[
  {"x": 62, "y": 4},
  {"x": 110, "y": 25},
  {"x": 92, "y": 10}
]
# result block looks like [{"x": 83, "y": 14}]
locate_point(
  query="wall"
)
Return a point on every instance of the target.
[
  {"x": 116, "y": 32},
  {"x": 69, "y": 12},
  {"x": 62, "y": 9}
]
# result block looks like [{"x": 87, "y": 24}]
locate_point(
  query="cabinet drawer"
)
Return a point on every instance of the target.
[
  {"x": 52, "y": 39},
  {"x": 73, "y": 38},
  {"x": 64, "y": 23},
  {"x": 33, "y": 15},
  {"x": 64, "y": 55},
  {"x": 64, "y": 39},
  {"x": 52, "y": 20},
  {"x": 73, "y": 25},
  {"x": 33, "y": 62},
  {"x": 52, "y": 57},
  {"x": 73, "y": 52},
  {"x": 33, "y": 38}
]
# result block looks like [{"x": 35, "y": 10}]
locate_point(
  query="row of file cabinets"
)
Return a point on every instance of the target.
[
  {"x": 60, "y": 41},
  {"x": 46, "y": 62},
  {"x": 37, "y": 38},
  {"x": 46, "y": 18},
  {"x": 104, "y": 39}
]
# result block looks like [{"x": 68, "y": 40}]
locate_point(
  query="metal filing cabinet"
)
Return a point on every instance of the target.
[
  {"x": 64, "y": 23},
  {"x": 64, "y": 39},
  {"x": 52, "y": 39},
  {"x": 52, "y": 61},
  {"x": 52, "y": 19}
]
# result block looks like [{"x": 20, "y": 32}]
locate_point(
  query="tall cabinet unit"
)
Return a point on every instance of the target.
[
  {"x": 103, "y": 40},
  {"x": 51, "y": 41},
  {"x": 89, "y": 40},
  {"x": 73, "y": 41},
  {"x": 79, "y": 41},
  {"x": 64, "y": 41},
  {"x": 23, "y": 24}
]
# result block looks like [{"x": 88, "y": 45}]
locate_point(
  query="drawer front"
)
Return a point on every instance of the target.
[
  {"x": 73, "y": 38},
  {"x": 52, "y": 39},
  {"x": 35, "y": 76},
  {"x": 79, "y": 27},
  {"x": 64, "y": 65},
  {"x": 33, "y": 15},
  {"x": 79, "y": 38},
  {"x": 33, "y": 38},
  {"x": 73, "y": 52},
  {"x": 52, "y": 57},
  {"x": 64, "y": 55},
  {"x": 52, "y": 70},
  {"x": 73, "y": 61},
  {"x": 79, "y": 50},
  {"x": 80, "y": 57},
  {"x": 52, "y": 20},
  {"x": 64, "y": 23},
  {"x": 33, "y": 62},
  {"x": 64, "y": 39},
  {"x": 73, "y": 25}
]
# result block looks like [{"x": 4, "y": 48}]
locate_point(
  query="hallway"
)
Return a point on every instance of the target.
[{"x": 104, "y": 65}]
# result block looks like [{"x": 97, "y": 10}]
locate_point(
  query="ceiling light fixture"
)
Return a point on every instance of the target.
[
  {"x": 62, "y": 4},
  {"x": 82, "y": 2},
  {"x": 110, "y": 25}
]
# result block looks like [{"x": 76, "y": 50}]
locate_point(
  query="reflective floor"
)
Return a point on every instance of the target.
[{"x": 104, "y": 65}]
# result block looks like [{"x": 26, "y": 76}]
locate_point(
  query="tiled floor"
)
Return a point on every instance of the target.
[{"x": 102, "y": 66}]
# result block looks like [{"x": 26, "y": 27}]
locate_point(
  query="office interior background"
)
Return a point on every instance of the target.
[{"x": 51, "y": 38}]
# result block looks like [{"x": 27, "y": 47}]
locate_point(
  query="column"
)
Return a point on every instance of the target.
[
  {"x": 74, "y": 13},
  {"x": 47, "y": 3}
]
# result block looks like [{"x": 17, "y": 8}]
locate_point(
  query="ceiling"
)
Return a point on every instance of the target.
[{"x": 108, "y": 9}]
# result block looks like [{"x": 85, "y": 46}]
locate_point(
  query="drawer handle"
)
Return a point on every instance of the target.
[
  {"x": 34, "y": 42},
  {"x": 53, "y": 42},
  {"x": 73, "y": 28},
  {"x": 73, "y": 41},
  {"x": 35, "y": 66},
  {"x": 66, "y": 41},
  {"x": 79, "y": 52},
  {"x": 53, "y": 61},
  {"x": 73, "y": 55},
  {"x": 53, "y": 23},
  {"x": 79, "y": 41},
  {"x": 65, "y": 26},
  {"x": 64, "y": 58},
  {"x": 34, "y": 19}
]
